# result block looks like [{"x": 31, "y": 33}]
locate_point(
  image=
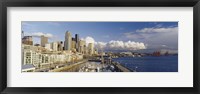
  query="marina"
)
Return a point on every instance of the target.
[{"x": 91, "y": 66}]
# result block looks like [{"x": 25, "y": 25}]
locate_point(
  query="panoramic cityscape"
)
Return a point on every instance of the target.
[{"x": 99, "y": 46}]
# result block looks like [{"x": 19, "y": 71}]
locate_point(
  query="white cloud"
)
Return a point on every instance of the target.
[
  {"x": 156, "y": 36},
  {"x": 89, "y": 39},
  {"x": 120, "y": 45},
  {"x": 39, "y": 34},
  {"x": 116, "y": 44},
  {"x": 158, "y": 30},
  {"x": 100, "y": 45},
  {"x": 131, "y": 45}
]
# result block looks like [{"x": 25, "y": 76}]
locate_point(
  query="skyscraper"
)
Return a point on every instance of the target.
[
  {"x": 85, "y": 49},
  {"x": 60, "y": 46},
  {"x": 54, "y": 46},
  {"x": 44, "y": 40},
  {"x": 73, "y": 44},
  {"x": 82, "y": 43},
  {"x": 91, "y": 48},
  {"x": 77, "y": 42},
  {"x": 68, "y": 40}
]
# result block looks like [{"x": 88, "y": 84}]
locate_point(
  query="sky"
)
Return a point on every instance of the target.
[{"x": 119, "y": 36}]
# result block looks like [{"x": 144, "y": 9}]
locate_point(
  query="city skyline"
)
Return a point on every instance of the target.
[
  {"x": 120, "y": 36},
  {"x": 99, "y": 47}
]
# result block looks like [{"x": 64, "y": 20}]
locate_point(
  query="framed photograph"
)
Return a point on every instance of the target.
[{"x": 131, "y": 46}]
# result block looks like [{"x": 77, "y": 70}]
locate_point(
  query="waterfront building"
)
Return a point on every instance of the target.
[
  {"x": 38, "y": 57},
  {"x": 31, "y": 57},
  {"x": 68, "y": 40},
  {"x": 45, "y": 60},
  {"x": 28, "y": 40},
  {"x": 27, "y": 57},
  {"x": 91, "y": 48},
  {"x": 44, "y": 40}
]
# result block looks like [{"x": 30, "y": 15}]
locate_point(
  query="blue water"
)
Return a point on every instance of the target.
[{"x": 150, "y": 63}]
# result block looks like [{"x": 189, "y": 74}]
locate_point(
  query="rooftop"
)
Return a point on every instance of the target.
[{"x": 28, "y": 66}]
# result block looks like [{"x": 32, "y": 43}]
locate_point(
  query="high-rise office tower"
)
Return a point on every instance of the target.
[
  {"x": 91, "y": 48},
  {"x": 68, "y": 40},
  {"x": 63, "y": 45},
  {"x": 85, "y": 49},
  {"x": 77, "y": 42},
  {"x": 54, "y": 46},
  {"x": 60, "y": 46},
  {"x": 44, "y": 40},
  {"x": 73, "y": 44},
  {"x": 82, "y": 43}
]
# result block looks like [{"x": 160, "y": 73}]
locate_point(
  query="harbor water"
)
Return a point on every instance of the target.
[{"x": 150, "y": 63}]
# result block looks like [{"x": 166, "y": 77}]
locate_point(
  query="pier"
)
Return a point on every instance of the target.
[
  {"x": 71, "y": 68},
  {"x": 120, "y": 67},
  {"x": 108, "y": 61},
  {"x": 76, "y": 66}
]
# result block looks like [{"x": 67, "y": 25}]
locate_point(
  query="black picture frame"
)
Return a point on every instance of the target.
[{"x": 99, "y": 3}]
